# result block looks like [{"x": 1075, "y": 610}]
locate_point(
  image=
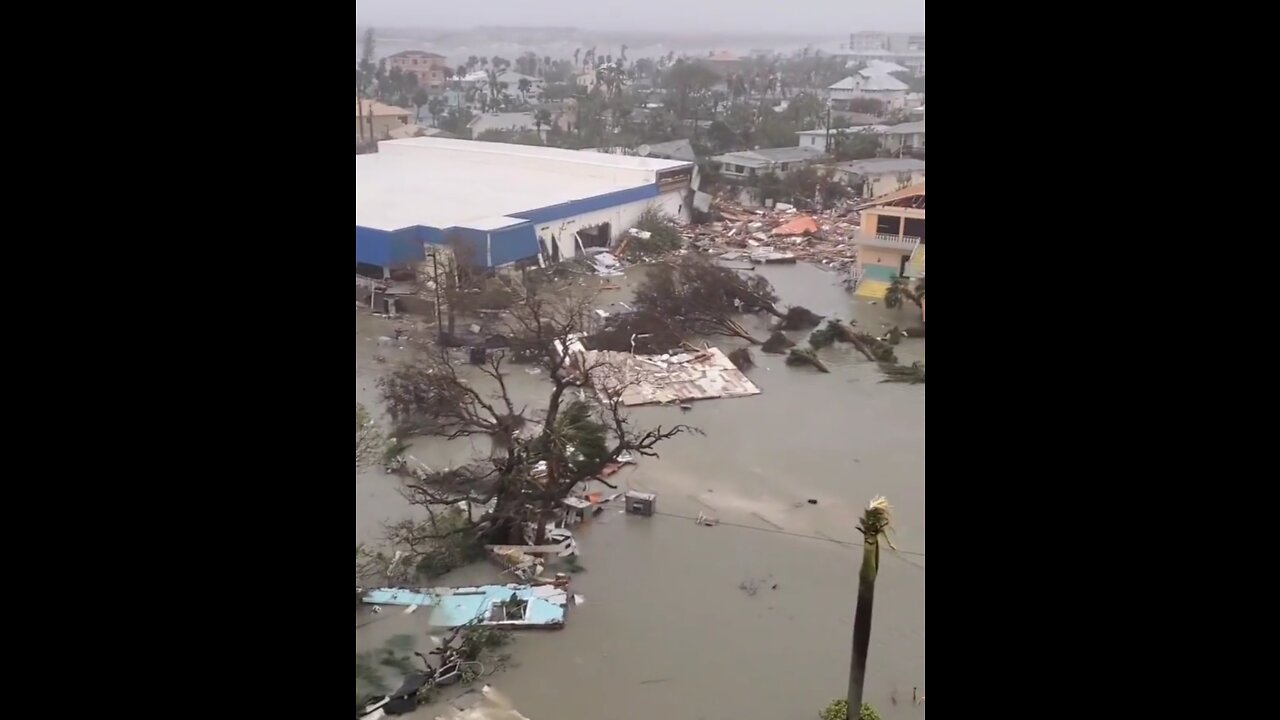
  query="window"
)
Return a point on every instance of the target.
[
  {"x": 783, "y": 167},
  {"x": 737, "y": 169},
  {"x": 414, "y": 61}
]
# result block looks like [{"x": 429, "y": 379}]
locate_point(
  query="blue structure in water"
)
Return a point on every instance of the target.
[{"x": 544, "y": 606}]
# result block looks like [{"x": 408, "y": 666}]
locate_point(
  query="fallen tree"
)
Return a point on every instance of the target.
[
  {"x": 777, "y": 343},
  {"x": 538, "y": 457},
  {"x": 806, "y": 356},
  {"x": 913, "y": 374},
  {"x": 700, "y": 298},
  {"x": 799, "y": 318}
]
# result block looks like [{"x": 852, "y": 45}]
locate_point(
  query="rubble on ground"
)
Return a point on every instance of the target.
[
  {"x": 662, "y": 379},
  {"x": 779, "y": 234}
]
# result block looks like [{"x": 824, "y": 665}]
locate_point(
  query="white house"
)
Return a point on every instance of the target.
[
  {"x": 750, "y": 163},
  {"x": 905, "y": 136},
  {"x": 818, "y": 138},
  {"x": 512, "y": 121},
  {"x": 868, "y": 83},
  {"x": 878, "y": 176},
  {"x": 587, "y": 81}
]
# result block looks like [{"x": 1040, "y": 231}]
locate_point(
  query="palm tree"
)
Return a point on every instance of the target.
[
  {"x": 436, "y": 108},
  {"x": 898, "y": 291},
  {"x": 576, "y": 52},
  {"x": 540, "y": 118},
  {"x": 623, "y": 55},
  {"x": 420, "y": 98},
  {"x": 874, "y": 525},
  {"x": 524, "y": 85}
]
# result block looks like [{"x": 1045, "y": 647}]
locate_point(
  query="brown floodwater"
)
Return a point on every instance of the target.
[{"x": 667, "y": 630}]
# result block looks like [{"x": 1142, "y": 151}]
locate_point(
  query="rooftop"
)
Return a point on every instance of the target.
[
  {"x": 441, "y": 183},
  {"x": 844, "y": 130},
  {"x": 874, "y": 166},
  {"x": 764, "y": 156},
  {"x": 416, "y": 53},
  {"x": 885, "y": 67},
  {"x": 678, "y": 149},
  {"x": 907, "y": 128}
]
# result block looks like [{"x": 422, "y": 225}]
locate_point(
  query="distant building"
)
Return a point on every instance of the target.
[
  {"x": 674, "y": 150},
  {"x": 869, "y": 84},
  {"x": 906, "y": 136},
  {"x": 723, "y": 63},
  {"x": 375, "y": 121},
  {"x": 753, "y": 163},
  {"x": 428, "y": 67},
  {"x": 868, "y": 40},
  {"x": 879, "y": 176},
  {"x": 586, "y": 80},
  {"x": 871, "y": 40},
  {"x": 510, "y": 122},
  {"x": 818, "y": 138}
]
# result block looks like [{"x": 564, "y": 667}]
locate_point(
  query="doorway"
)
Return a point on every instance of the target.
[{"x": 597, "y": 236}]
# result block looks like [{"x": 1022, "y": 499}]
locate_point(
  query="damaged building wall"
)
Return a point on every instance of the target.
[{"x": 620, "y": 218}]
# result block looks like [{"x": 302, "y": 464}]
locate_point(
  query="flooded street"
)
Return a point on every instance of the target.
[{"x": 666, "y": 631}]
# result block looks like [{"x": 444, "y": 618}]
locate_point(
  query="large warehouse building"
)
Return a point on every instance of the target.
[{"x": 503, "y": 203}]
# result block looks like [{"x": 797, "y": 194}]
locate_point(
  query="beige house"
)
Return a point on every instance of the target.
[
  {"x": 875, "y": 177},
  {"x": 427, "y": 66},
  {"x": 375, "y": 121},
  {"x": 890, "y": 240}
]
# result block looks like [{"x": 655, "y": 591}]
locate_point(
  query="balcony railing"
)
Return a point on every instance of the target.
[{"x": 900, "y": 242}]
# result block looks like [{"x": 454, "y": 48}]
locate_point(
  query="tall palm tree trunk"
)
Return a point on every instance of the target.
[
  {"x": 862, "y": 623},
  {"x": 875, "y": 523}
]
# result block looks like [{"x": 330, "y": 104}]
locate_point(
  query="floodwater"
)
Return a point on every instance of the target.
[{"x": 667, "y": 630}]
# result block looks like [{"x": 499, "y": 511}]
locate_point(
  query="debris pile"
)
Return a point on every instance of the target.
[
  {"x": 779, "y": 235},
  {"x": 662, "y": 379}
]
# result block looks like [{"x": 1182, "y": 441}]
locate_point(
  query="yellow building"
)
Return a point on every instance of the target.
[
  {"x": 375, "y": 121},
  {"x": 890, "y": 240}
]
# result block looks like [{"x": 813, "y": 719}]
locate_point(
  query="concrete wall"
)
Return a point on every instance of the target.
[
  {"x": 881, "y": 256},
  {"x": 620, "y": 218},
  {"x": 885, "y": 183}
]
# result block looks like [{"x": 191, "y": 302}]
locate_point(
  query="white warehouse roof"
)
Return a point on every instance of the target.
[{"x": 441, "y": 183}]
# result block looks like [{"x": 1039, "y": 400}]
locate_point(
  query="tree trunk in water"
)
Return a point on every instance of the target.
[{"x": 862, "y": 623}]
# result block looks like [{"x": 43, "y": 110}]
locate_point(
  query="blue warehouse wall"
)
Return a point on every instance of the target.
[
  {"x": 591, "y": 204},
  {"x": 406, "y": 246},
  {"x": 511, "y": 244},
  {"x": 385, "y": 248},
  {"x": 475, "y": 242}
]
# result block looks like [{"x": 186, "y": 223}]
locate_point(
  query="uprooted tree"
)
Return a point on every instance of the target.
[
  {"x": 538, "y": 456},
  {"x": 369, "y": 439},
  {"x": 703, "y": 299}
]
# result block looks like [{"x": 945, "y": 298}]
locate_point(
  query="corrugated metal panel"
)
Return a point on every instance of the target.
[{"x": 591, "y": 204}]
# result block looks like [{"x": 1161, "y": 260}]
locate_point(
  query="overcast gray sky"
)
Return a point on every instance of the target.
[{"x": 808, "y": 17}]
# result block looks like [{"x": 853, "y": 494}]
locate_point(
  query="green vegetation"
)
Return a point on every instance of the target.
[
  {"x": 664, "y": 235},
  {"x": 839, "y": 710}
]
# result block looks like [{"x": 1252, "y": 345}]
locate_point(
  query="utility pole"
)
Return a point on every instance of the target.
[
  {"x": 828, "y": 128},
  {"x": 435, "y": 271}
]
